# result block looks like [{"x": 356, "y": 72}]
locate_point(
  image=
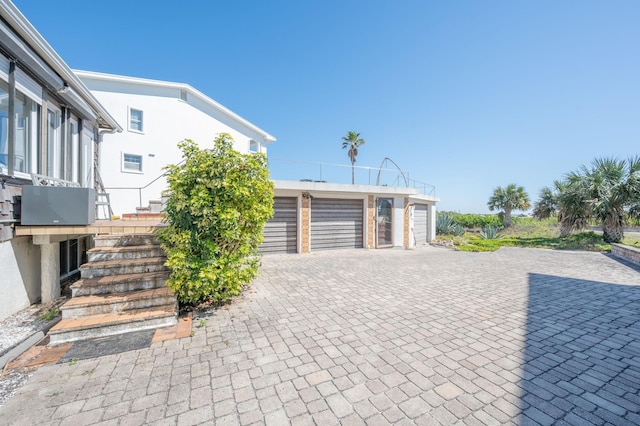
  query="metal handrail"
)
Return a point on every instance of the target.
[
  {"x": 140, "y": 188},
  {"x": 425, "y": 188}
]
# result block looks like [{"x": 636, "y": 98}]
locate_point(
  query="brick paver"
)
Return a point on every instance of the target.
[{"x": 428, "y": 336}]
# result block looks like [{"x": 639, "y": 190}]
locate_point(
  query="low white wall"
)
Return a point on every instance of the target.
[{"x": 20, "y": 277}]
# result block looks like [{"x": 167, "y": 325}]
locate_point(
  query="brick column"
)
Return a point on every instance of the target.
[
  {"x": 305, "y": 226},
  {"x": 371, "y": 230}
]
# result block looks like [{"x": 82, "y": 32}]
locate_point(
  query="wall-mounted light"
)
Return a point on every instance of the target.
[{"x": 307, "y": 195}]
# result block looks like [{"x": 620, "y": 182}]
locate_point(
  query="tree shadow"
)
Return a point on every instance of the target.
[{"x": 582, "y": 352}]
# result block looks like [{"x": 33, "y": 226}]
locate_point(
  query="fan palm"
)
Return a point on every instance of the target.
[
  {"x": 352, "y": 141},
  {"x": 507, "y": 199},
  {"x": 608, "y": 192},
  {"x": 547, "y": 204}
]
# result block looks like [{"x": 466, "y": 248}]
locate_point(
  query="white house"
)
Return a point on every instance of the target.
[
  {"x": 158, "y": 115},
  {"x": 49, "y": 125}
]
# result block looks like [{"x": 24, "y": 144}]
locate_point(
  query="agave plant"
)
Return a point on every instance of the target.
[
  {"x": 444, "y": 223},
  {"x": 490, "y": 233},
  {"x": 457, "y": 230},
  {"x": 447, "y": 226}
]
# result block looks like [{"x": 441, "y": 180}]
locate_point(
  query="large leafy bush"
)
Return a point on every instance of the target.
[{"x": 219, "y": 201}]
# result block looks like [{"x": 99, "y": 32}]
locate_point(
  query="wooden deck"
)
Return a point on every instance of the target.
[{"x": 98, "y": 227}]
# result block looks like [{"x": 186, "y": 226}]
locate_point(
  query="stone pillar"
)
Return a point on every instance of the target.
[
  {"x": 371, "y": 222},
  {"x": 305, "y": 225},
  {"x": 431, "y": 222},
  {"x": 408, "y": 240},
  {"x": 49, "y": 271}
]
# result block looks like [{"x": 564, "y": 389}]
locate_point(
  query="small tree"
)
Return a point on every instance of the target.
[
  {"x": 219, "y": 201},
  {"x": 507, "y": 199},
  {"x": 352, "y": 141}
]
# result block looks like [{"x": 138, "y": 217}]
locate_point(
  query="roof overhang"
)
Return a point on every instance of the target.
[
  {"x": 285, "y": 187},
  {"x": 91, "y": 75},
  {"x": 27, "y": 47}
]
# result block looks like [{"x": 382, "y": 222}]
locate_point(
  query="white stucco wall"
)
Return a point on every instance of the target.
[
  {"x": 167, "y": 120},
  {"x": 20, "y": 277}
]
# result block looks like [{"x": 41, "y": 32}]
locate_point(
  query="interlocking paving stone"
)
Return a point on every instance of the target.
[{"x": 428, "y": 336}]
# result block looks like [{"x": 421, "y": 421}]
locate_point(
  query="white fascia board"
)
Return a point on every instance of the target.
[
  {"x": 16, "y": 20},
  {"x": 178, "y": 86},
  {"x": 339, "y": 188}
]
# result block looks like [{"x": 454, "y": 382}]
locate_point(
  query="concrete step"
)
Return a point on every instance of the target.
[
  {"x": 155, "y": 206},
  {"x": 109, "y": 324},
  {"x": 143, "y": 217},
  {"x": 99, "y": 254},
  {"x": 125, "y": 240},
  {"x": 118, "y": 302},
  {"x": 119, "y": 283},
  {"x": 122, "y": 267}
]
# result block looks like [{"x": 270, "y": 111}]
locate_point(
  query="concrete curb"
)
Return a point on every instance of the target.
[{"x": 20, "y": 348}]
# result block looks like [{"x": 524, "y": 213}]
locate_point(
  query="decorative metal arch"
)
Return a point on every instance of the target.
[{"x": 406, "y": 182}]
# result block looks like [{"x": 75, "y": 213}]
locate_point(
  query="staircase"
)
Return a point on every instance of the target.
[{"x": 123, "y": 289}]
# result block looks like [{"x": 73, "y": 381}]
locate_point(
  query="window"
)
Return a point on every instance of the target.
[
  {"x": 19, "y": 132},
  {"x": 54, "y": 146},
  {"x": 73, "y": 145},
  {"x": 131, "y": 163},
  {"x": 183, "y": 95},
  {"x": 26, "y": 132},
  {"x": 135, "y": 120},
  {"x": 69, "y": 257},
  {"x": 254, "y": 146},
  {"x": 4, "y": 125},
  {"x": 86, "y": 158}
]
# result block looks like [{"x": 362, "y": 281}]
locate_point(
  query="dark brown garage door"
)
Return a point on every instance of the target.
[
  {"x": 280, "y": 232},
  {"x": 336, "y": 223}
]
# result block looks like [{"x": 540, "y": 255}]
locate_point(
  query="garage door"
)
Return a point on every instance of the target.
[
  {"x": 280, "y": 232},
  {"x": 336, "y": 223},
  {"x": 420, "y": 223}
]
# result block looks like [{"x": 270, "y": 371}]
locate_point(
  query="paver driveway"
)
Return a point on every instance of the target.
[{"x": 413, "y": 337}]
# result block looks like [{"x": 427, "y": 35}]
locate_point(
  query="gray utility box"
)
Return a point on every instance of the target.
[{"x": 57, "y": 205}]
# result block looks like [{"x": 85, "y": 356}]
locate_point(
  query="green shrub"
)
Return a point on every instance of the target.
[
  {"x": 219, "y": 201},
  {"x": 474, "y": 221}
]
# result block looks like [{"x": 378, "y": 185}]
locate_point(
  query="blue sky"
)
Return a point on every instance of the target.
[{"x": 466, "y": 96}]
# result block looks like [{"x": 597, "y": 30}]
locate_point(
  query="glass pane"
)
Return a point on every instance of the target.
[
  {"x": 64, "y": 258},
  {"x": 73, "y": 255},
  {"x": 136, "y": 120},
  {"x": 26, "y": 119},
  {"x": 384, "y": 222},
  {"x": 75, "y": 151},
  {"x": 53, "y": 144},
  {"x": 86, "y": 179},
  {"x": 4, "y": 124},
  {"x": 132, "y": 162}
]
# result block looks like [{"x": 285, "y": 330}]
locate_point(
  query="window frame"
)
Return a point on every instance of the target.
[
  {"x": 129, "y": 170},
  {"x": 129, "y": 122}
]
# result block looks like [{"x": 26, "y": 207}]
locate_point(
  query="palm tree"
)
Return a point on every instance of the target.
[
  {"x": 507, "y": 199},
  {"x": 547, "y": 204},
  {"x": 608, "y": 192},
  {"x": 573, "y": 206},
  {"x": 352, "y": 141}
]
